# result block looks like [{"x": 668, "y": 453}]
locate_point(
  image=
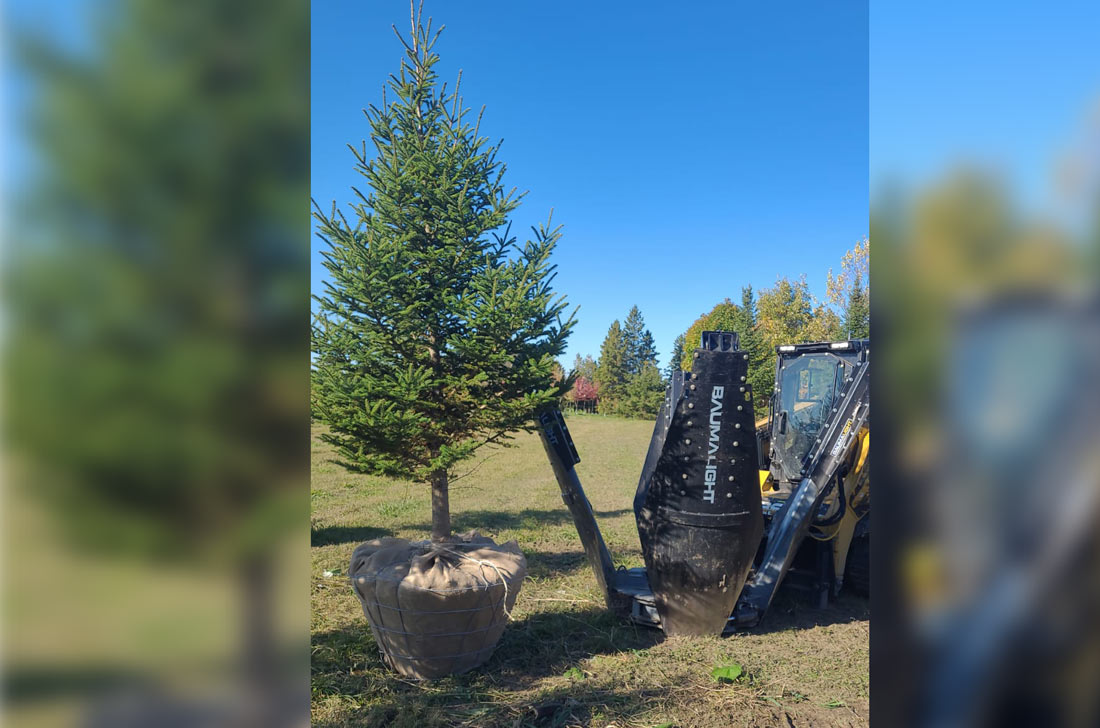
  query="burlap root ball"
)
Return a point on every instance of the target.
[{"x": 437, "y": 609}]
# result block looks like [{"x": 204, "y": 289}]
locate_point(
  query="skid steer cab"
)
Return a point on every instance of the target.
[{"x": 726, "y": 511}]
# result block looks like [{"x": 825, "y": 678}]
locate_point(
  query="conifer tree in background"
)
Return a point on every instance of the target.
[
  {"x": 437, "y": 334},
  {"x": 640, "y": 348},
  {"x": 644, "y": 389},
  {"x": 676, "y": 358},
  {"x": 647, "y": 350},
  {"x": 761, "y": 357},
  {"x": 642, "y": 393},
  {"x": 611, "y": 368},
  {"x": 629, "y": 381},
  {"x": 633, "y": 326},
  {"x": 857, "y": 315}
]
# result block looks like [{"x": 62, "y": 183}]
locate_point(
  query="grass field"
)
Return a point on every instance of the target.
[{"x": 564, "y": 661}]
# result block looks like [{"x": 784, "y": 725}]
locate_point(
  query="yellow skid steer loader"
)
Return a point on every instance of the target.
[{"x": 727, "y": 511}]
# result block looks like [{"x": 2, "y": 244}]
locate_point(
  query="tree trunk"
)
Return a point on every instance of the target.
[{"x": 441, "y": 507}]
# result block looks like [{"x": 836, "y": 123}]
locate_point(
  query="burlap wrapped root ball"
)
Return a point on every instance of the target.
[{"x": 437, "y": 609}]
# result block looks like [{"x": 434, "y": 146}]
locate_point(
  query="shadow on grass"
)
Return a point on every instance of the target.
[
  {"x": 545, "y": 564},
  {"x": 52, "y": 682},
  {"x": 348, "y": 673},
  {"x": 329, "y": 535},
  {"x": 792, "y": 610},
  {"x": 571, "y": 705},
  {"x": 575, "y": 704},
  {"x": 104, "y": 695},
  {"x": 538, "y": 645},
  {"x": 347, "y": 665},
  {"x": 549, "y": 642}
]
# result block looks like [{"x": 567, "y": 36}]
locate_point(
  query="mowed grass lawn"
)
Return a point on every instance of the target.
[{"x": 564, "y": 660}]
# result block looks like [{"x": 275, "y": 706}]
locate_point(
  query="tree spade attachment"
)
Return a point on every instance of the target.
[{"x": 698, "y": 499}]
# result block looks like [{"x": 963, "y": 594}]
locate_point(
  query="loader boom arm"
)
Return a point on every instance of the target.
[
  {"x": 563, "y": 457},
  {"x": 793, "y": 521}
]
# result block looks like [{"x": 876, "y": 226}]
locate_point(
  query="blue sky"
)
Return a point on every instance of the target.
[
  {"x": 1005, "y": 86},
  {"x": 688, "y": 149}
]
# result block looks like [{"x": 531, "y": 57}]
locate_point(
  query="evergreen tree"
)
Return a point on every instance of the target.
[
  {"x": 147, "y": 244},
  {"x": 676, "y": 358},
  {"x": 642, "y": 393},
  {"x": 153, "y": 286},
  {"x": 640, "y": 348},
  {"x": 857, "y": 316},
  {"x": 437, "y": 334},
  {"x": 761, "y": 358},
  {"x": 633, "y": 327},
  {"x": 647, "y": 350},
  {"x": 611, "y": 368}
]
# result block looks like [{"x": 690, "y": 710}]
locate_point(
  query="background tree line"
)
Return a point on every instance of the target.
[
  {"x": 625, "y": 379},
  {"x": 787, "y": 313}
]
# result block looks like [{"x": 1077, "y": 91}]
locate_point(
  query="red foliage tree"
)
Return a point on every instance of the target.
[{"x": 585, "y": 390}]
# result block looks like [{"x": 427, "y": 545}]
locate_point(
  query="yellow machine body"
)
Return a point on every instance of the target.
[{"x": 857, "y": 494}]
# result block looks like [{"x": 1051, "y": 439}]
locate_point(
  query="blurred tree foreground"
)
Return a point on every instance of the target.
[
  {"x": 154, "y": 387},
  {"x": 437, "y": 333}
]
